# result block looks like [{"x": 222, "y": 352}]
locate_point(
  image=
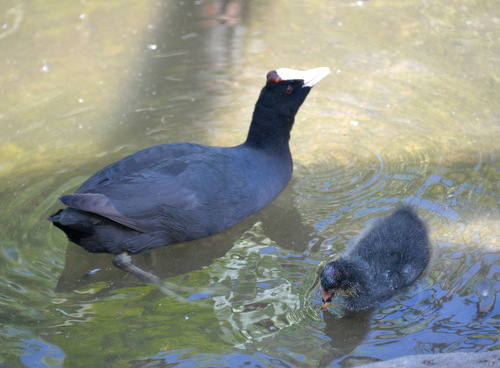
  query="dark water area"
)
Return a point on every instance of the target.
[{"x": 410, "y": 114}]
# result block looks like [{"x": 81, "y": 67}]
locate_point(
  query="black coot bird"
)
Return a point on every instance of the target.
[
  {"x": 177, "y": 192},
  {"x": 385, "y": 261}
]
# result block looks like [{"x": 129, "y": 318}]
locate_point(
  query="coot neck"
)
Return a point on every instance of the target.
[{"x": 270, "y": 131}]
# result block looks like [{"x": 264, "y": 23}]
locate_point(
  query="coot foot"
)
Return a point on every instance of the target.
[{"x": 124, "y": 261}]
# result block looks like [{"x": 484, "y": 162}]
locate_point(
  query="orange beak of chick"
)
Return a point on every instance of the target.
[{"x": 327, "y": 298}]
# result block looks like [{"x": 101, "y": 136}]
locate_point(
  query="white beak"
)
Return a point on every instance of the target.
[{"x": 310, "y": 77}]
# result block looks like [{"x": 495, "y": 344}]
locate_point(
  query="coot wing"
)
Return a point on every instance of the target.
[
  {"x": 135, "y": 201},
  {"x": 146, "y": 197},
  {"x": 100, "y": 204}
]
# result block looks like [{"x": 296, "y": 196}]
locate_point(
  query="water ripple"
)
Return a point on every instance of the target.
[{"x": 352, "y": 180}]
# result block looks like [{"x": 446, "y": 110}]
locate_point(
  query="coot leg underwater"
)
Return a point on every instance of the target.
[
  {"x": 178, "y": 192},
  {"x": 124, "y": 261}
]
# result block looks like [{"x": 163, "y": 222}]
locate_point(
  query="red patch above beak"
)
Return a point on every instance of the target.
[{"x": 273, "y": 77}]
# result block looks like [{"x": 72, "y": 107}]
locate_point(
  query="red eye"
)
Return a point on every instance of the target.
[{"x": 289, "y": 89}]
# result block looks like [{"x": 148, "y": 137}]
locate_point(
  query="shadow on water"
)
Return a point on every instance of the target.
[
  {"x": 192, "y": 54},
  {"x": 345, "y": 333}
]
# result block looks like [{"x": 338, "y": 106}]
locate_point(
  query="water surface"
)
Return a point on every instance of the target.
[{"x": 410, "y": 114}]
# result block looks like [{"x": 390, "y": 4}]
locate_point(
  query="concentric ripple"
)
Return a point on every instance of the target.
[{"x": 352, "y": 179}]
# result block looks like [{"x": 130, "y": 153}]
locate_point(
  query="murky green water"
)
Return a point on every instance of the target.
[{"x": 411, "y": 113}]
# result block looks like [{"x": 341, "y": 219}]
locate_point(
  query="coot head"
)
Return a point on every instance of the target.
[
  {"x": 279, "y": 100},
  {"x": 286, "y": 89},
  {"x": 343, "y": 278}
]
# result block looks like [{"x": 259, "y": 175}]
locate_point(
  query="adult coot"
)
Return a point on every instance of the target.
[
  {"x": 388, "y": 259},
  {"x": 182, "y": 191}
]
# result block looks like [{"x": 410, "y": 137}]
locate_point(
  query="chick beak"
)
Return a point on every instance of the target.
[{"x": 327, "y": 298}]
